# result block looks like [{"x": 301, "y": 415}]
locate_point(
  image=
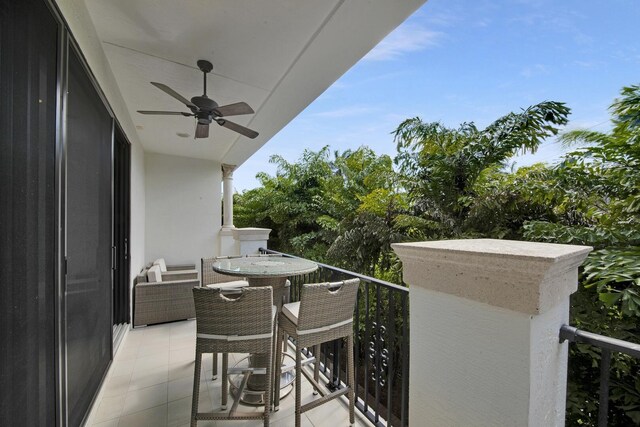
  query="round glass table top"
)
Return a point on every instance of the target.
[{"x": 264, "y": 266}]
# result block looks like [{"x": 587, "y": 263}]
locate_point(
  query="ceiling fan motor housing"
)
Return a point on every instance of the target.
[{"x": 204, "y": 103}]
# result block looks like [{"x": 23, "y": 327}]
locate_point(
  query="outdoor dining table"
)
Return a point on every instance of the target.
[{"x": 264, "y": 270}]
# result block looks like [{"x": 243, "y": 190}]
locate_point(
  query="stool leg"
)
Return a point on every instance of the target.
[
  {"x": 196, "y": 389},
  {"x": 298, "y": 385},
  {"x": 269, "y": 389},
  {"x": 215, "y": 366},
  {"x": 351, "y": 379},
  {"x": 225, "y": 382},
  {"x": 316, "y": 366},
  {"x": 278, "y": 373}
]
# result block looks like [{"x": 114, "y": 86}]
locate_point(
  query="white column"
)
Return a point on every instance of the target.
[
  {"x": 485, "y": 317},
  {"x": 249, "y": 240},
  {"x": 227, "y": 195}
]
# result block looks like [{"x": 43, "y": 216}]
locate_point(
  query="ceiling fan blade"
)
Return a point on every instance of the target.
[
  {"x": 174, "y": 94},
  {"x": 237, "y": 128},
  {"x": 165, "y": 113},
  {"x": 202, "y": 131},
  {"x": 233, "y": 109}
]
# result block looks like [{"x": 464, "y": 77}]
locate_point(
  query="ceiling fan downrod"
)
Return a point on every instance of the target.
[{"x": 206, "y": 67}]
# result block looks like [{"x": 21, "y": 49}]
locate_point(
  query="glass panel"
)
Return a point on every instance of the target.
[
  {"x": 28, "y": 72},
  {"x": 88, "y": 286}
]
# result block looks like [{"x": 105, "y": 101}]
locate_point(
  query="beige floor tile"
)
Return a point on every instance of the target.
[
  {"x": 116, "y": 385},
  {"x": 152, "y": 417},
  {"x": 149, "y": 362},
  {"x": 149, "y": 377},
  {"x": 185, "y": 369},
  {"x": 139, "y": 400},
  {"x": 153, "y": 350},
  {"x": 328, "y": 415},
  {"x": 109, "y": 408},
  {"x": 184, "y": 354},
  {"x": 110, "y": 423},
  {"x": 126, "y": 353},
  {"x": 179, "y": 411},
  {"x": 122, "y": 368},
  {"x": 181, "y": 388},
  {"x": 182, "y": 342}
]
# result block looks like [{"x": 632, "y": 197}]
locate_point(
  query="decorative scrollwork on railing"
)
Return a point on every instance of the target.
[{"x": 378, "y": 354}]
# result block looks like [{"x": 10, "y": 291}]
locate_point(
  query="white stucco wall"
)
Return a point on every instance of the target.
[
  {"x": 183, "y": 208},
  {"x": 137, "y": 239}
]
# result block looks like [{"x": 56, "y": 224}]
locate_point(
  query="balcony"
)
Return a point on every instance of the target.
[
  {"x": 151, "y": 378},
  {"x": 93, "y": 191},
  {"x": 150, "y": 381}
]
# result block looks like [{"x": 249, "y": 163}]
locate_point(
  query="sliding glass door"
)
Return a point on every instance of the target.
[
  {"x": 28, "y": 78},
  {"x": 88, "y": 311}
]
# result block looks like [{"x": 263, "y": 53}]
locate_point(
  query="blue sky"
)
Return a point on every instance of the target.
[{"x": 464, "y": 60}]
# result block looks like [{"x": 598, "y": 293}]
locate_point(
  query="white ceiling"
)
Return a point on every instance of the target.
[{"x": 276, "y": 55}]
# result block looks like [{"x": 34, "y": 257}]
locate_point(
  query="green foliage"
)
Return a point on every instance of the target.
[
  {"x": 336, "y": 208},
  {"x": 598, "y": 204},
  {"x": 346, "y": 209},
  {"x": 440, "y": 166}
]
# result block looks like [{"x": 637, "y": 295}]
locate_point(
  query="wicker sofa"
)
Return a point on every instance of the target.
[{"x": 164, "y": 297}]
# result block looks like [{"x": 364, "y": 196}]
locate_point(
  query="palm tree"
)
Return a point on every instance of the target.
[{"x": 440, "y": 165}]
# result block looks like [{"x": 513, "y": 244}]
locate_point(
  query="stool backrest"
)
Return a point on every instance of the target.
[
  {"x": 326, "y": 304},
  {"x": 210, "y": 277},
  {"x": 248, "y": 312}
]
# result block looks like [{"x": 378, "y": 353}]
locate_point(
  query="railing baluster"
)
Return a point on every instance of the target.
[
  {"x": 405, "y": 363},
  {"x": 377, "y": 356},
  {"x": 605, "y": 365},
  {"x": 357, "y": 342},
  {"x": 391, "y": 345},
  {"x": 366, "y": 343}
]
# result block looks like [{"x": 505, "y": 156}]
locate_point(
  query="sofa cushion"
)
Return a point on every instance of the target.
[
  {"x": 229, "y": 285},
  {"x": 142, "y": 276},
  {"x": 154, "y": 274},
  {"x": 163, "y": 265},
  {"x": 291, "y": 311}
]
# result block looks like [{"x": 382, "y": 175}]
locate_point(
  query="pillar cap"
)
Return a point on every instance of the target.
[
  {"x": 528, "y": 277},
  {"x": 251, "y": 233}
]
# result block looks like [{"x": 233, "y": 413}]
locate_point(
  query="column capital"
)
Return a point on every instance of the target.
[
  {"x": 528, "y": 277},
  {"x": 227, "y": 171}
]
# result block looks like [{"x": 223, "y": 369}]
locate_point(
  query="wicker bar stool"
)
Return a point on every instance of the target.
[
  {"x": 324, "y": 313},
  {"x": 239, "y": 323},
  {"x": 213, "y": 279}
]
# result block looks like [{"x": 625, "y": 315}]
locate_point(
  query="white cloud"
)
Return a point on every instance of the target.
[{"x": 406, "y": 38}]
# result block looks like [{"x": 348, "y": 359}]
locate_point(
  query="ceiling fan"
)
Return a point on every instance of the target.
[{"x": 205, "y": 109}]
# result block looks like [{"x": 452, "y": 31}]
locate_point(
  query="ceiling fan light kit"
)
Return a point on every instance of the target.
[{"x": 205, "y": 109}]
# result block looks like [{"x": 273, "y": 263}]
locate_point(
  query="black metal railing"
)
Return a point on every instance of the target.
[
  {"x": 381, "y": 345},
  {"x": 606, "y": 346}
]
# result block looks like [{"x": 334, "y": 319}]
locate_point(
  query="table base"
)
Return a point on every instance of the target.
[{"x": 256, "y": 397}]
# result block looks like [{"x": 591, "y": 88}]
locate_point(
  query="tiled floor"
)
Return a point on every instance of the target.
[{"x": 150, "y": 384}]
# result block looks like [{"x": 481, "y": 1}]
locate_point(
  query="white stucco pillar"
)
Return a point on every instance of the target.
[
  {"x": 485, "y": 317},
  {"x": 227, "y": 195},
  {"x": 249, "y": 240},
  {"x": 226, "y": 240}
]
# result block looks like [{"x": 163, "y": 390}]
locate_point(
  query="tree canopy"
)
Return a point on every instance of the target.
[{"x": 347, "y": 208}]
